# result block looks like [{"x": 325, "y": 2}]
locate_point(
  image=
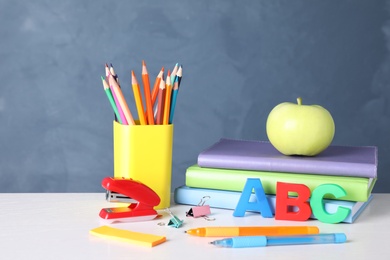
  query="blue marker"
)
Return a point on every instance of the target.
[{"x": 261, "y": 241}]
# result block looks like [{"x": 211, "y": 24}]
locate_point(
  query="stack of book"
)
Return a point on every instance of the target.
[{"x": 223, "y": 169}]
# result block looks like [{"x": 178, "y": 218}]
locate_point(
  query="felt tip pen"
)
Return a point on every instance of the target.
[
  {"x": 252, "y": 231},
  {"x": 261, "y": 241}
]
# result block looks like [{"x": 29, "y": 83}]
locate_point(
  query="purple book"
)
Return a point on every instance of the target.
[{"x": 359, "y": 161}]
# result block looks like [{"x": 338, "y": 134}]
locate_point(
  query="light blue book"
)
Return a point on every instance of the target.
[{"x": 229, "y": 199}]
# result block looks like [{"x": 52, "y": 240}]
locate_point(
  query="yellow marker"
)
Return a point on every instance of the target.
[{"x": 137, "y": 238}]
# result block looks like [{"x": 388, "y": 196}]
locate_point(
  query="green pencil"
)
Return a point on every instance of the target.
[{"x": 111, "y": 99}]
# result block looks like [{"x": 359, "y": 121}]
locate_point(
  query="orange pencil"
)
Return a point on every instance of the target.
[
  {"x": 167, "y": 105},
  {"x": 121, "y": 100},
  {"x": 148, "y": 97},
  {"x": 156, "y": 88},
  {"x": 138, "y": 99},
  {"x": 160, "y": 102},
  {"x": 157, "y": 85}
]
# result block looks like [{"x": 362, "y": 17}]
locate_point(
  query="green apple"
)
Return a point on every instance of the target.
[{"x": 296, "y": 129}]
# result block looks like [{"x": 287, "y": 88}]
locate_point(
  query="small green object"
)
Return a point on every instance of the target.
[{"x": 174, "y": 221}]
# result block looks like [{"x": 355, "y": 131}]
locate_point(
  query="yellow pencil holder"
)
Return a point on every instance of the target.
[{"x": 144, "y": 153}]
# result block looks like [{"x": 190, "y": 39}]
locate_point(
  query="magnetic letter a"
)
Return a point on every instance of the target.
[{"x": 260, "y": 204}]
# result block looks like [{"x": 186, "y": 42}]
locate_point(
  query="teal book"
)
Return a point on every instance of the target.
[
  {"x": 229, "y": 200},
  {"x": 357, "y": 188}
]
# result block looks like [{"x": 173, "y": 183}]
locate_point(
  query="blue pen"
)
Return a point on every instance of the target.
[{"x": 261, "y": 241}]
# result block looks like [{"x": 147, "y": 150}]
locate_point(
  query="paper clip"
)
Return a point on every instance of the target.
[
  {"x": 201, "y": 210},
  {"x": 174, "y": 221}
]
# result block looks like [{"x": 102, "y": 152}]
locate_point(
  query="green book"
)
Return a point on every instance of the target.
[{"x": 357, "y": 188}]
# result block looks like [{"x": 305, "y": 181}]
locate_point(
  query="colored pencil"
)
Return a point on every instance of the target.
[
  {"x": 175, "y": 92},
  {"x": 173, "y": 74},
  {"x": 148, "y": 97},
  {"x": 108, "y": 73},
  {"x": 156, "y": 89},
  {"x": 107, "y": 69},
  {"x": 111, "y": 99},
  {"x": 138, "y": 99},
  {"x": 112, "y": 71},
  {"x": 157, "y": 85},
  {"x": 168, "y": 88},
  {"x": 121, "y": 100},
  {"x": 120, "y": 111},
  {"x": 179, "y": 74},
  {"x": 160, "y": 102}
]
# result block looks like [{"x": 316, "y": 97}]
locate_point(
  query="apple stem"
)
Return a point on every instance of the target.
[{"x": 299, "y": 101}]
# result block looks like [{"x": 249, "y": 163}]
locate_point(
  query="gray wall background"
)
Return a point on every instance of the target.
[{"x": 240, "y": 58}]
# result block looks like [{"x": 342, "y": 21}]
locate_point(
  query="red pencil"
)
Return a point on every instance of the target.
[{"x": 160, "y": 102}]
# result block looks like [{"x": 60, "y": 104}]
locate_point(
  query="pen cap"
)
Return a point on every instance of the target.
[{"x": 340, "y": 238}]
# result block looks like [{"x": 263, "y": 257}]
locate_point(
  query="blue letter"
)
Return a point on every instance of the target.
[{"x": 261, "y": 204}]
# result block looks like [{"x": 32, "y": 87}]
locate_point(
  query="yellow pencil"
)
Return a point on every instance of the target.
[{"x": 138, "y": 99}]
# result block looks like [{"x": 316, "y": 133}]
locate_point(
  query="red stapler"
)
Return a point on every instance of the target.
[{"x": 142, "y": 199}]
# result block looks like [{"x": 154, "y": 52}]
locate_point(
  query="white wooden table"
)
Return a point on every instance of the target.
[{"x": 56, "y": 226}]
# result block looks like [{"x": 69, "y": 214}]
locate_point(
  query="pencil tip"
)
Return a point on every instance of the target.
[{"x": 144, "y": 69}]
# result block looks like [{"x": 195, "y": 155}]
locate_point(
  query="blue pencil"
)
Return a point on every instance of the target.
[{"x": 175, "y": 91}]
